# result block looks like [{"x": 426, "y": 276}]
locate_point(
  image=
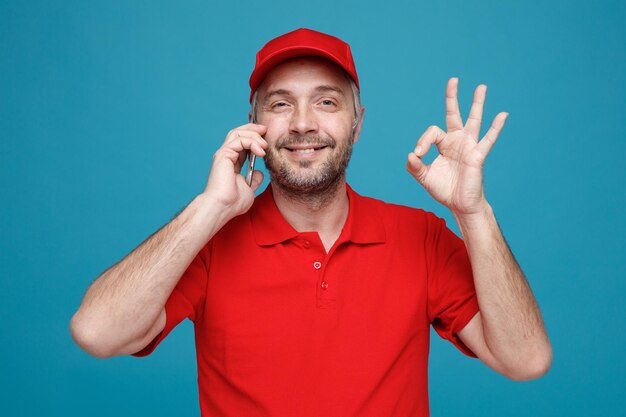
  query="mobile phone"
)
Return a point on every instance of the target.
[{"x": 251, "y": 159}]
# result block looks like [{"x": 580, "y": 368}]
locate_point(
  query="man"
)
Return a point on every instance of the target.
[{"x": 312, "y": 300}]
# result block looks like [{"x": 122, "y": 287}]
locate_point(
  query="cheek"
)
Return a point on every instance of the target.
[
  {"x": 276, "y": 128},
  {"x": 342, "y": 131}
]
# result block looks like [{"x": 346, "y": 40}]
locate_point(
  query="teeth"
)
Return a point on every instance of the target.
[{"x": 307, "y": 150}]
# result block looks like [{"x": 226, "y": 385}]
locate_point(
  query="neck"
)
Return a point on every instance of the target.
[{"x": 323, "y": 213}]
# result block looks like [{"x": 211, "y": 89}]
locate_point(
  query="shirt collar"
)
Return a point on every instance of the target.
[
  {"x": 364, "y": 223},
  {"x": 365, "y": 219}
]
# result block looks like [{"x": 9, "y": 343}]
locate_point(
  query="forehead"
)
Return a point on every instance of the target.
[{"x": 305, "y": 73}]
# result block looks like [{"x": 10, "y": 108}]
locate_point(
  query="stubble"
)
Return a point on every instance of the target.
[{"x": 307, "y": 184}]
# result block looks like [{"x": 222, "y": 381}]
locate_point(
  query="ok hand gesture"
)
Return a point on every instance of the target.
[{"x": 454, "y": 178}]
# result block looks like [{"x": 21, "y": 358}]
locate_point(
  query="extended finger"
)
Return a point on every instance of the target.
[
  {"x": 487, "y": 142},
  {"x": 417, "y": 168},
  {"x": 432, "y": 135},
  {"x": 476, "y": 112},
  {"x": 453, "y": 115}
]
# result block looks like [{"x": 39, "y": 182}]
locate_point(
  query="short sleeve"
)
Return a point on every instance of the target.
[
  {"x": 452, "y": 301},
  {"x": 186, "y": 300}
]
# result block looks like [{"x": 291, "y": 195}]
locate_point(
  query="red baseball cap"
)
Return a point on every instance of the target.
[{"x": 301, "y": 42}]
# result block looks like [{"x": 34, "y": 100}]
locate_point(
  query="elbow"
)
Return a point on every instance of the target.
[
  {"x": 534, "y": 367},
  {"x": 87, "y": 337}
]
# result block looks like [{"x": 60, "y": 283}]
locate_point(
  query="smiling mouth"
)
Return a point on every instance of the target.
[{"x": 306, "y": 150}]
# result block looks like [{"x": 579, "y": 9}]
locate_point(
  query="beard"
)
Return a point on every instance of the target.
[{"x": 306, "y": 182}]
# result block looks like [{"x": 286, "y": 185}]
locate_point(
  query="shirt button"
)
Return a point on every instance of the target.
[
  {"x": 317, "y": 265},
  {"x": 324, "y": 285},
  {"x": 307, "y": 244}
]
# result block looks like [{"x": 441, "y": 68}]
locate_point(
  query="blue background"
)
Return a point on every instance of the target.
[{"x": 110, "y": 113}]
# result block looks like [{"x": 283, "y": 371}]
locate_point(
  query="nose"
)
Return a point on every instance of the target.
[{"x": 303, "y": 121}]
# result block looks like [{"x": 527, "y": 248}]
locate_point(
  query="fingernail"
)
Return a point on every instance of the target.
[{"x": 418, "y": 150}]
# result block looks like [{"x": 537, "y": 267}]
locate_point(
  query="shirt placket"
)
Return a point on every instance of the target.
[{"x": 317, "y": 261}]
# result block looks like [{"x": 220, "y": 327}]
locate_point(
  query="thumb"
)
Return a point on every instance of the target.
[
  {"x": 417, "y": 168},
  {"x": 257, "y": 180}
]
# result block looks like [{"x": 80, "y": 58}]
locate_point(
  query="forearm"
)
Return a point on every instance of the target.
[
  {"x": 122, "y": 305},
  {"x": 512, "y": 326}
]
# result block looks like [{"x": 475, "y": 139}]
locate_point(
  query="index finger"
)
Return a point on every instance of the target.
[
  {"x": 453, "y": 116},
  {"x": 256, "y": 127}
]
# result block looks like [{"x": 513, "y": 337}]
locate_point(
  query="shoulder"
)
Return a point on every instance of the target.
[
  {"x": 393, "y": 213},
  {"x": 403, "y": 226}
]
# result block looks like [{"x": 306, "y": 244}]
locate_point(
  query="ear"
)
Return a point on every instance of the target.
[{"x": 357, "y": 128}]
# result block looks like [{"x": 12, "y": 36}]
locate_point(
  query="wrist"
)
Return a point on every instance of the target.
[
  {"x": 478, "y": 218},
  {"x": 210, "y": 211}
]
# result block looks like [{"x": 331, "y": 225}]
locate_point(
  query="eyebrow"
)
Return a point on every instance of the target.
[
  {"x": 279, "y": 92},
  {"x": 319, "y": 89},
  {"x": 328, "y": 88}
]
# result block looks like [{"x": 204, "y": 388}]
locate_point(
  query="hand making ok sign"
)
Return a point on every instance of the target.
[{"x": 454, "y": 178}]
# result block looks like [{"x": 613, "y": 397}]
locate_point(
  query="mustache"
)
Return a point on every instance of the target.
[{"x": 306, "y": 140}]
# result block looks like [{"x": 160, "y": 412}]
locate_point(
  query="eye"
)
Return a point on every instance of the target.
[
  {"x": 279, "y": 106},
  {"x": 328, "y": 102}
]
